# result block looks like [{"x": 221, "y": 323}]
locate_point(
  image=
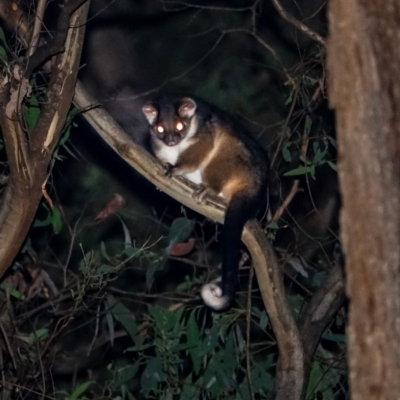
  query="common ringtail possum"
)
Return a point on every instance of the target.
[{"x": 198, "y": 142}]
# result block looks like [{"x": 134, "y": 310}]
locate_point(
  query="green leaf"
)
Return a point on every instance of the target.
[
  {"x": 86, "y": 262},
  {"x": 193, "y": 340},
  {"x": 315, "y": 378},
  {"x": 319, "y": 156},
  {"x": 80, "y": 389},
  {"x": 3, "y": 55},
  {"x": 56, "y": 220},
  {"x": 180, "y": 230},
  {"x": 125, "y": 374},
  {"x": 261, "y": 378},
  {"x": 189, "y": 389},
  {"x": 45, "y": 222},
  {"x": 39, "y": 334},
  {"x": 152, "y": 376},
  {"x": 103, "y": 251},
  {"x": 31, "y": 114},
  {"x": 105, "y": 269},
  {"x": 289, "y": 99},
  {"x": 273, "y": 225},
  {"x": 13, "y": 292},
  {"x": 124, "y": 316},
  {"x": 53, "y": 218},
  {"x": 299, "y": 171},
  {"x": 3, "y": 39},
  {"x": 186, "y": 285},
  {"x": 65, "y": 136},
  {"x": 167, "y": 321},
  {"x": 157, "y": 265}
]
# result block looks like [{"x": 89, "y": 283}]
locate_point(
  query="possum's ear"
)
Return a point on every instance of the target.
[
  {"x": 187, "y": 108},
  {"x": 150, "y": 112}
]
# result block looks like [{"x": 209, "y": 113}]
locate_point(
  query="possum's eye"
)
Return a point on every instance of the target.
[
  {"x": 160, "y": 129},
  {"x": 179, "y": 126}
]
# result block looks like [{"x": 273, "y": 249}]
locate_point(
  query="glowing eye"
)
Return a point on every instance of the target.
[
  {"x": 179, "y": 126},
  {"x": 160, "y": 129}
]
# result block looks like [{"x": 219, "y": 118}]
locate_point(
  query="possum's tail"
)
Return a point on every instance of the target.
[{"x": 241, "y": 208}]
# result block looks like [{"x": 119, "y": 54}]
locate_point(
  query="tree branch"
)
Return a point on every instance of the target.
[
  {"x": 290, "y": 370},
  {"x": 28, "y": 165},
  {"x": 323, "y": 306},
  {"x": 56, "y": 44},
  {"x": 299, "y": 25},
  {"x": 15, "y": 17}
]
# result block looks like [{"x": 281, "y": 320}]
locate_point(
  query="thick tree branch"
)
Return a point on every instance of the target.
[
  {"x": 37, "y": 26},
  {"x": 15, "y": 17},
  {"x": 57, "y": 43},
  {"x": 29, "y": 165},
  {"x": 290, "y": 370},
  {"x": 323, "y": 306}
]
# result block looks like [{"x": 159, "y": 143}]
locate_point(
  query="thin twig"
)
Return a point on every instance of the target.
[
  {"x": 42, "y": 307},
  {"x": 278, "y": 148},
  {"x": 287, "y": 201},
  {"x": 64, "y": 267},
  {"x": 262, "y": 41},
  {"x": 96, "y": 331},
  {"x": 299, "y": 25}
]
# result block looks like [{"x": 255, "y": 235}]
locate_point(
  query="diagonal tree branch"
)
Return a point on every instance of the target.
[
  {"x": 299, "y": 25},
  {"x": 290, "y": 370}
]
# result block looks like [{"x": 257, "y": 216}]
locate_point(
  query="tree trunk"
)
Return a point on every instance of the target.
[{"x": 364, "y": 88}]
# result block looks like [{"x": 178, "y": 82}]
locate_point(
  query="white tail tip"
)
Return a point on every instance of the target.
[{"x": 213, "y": 297}]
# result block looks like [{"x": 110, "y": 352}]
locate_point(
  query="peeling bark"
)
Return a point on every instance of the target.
[{"x": 29, "y": 159}]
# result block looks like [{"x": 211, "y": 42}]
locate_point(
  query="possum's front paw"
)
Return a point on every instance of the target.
[
  {"x": 200, "y": 194},
  {"x": 169, "y": 170}
]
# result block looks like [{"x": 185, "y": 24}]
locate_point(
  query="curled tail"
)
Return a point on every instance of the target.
[{"x": 240, "y": 209}]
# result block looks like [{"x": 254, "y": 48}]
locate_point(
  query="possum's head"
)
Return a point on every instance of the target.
[{"x": 169, "y": 121}]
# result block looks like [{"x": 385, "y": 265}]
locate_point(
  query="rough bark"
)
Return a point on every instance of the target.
[
  {"x": 364, "y": 88},
  {"x": 29, "y": 157}
]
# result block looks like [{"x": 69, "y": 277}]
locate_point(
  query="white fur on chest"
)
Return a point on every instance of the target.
[{"x": 170, "y": 154}]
